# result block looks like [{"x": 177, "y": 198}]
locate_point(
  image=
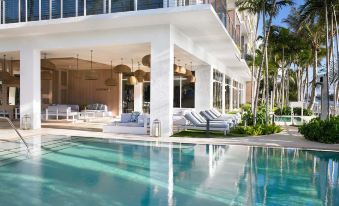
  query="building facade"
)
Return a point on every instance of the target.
[{"x": 209, "y": 38}]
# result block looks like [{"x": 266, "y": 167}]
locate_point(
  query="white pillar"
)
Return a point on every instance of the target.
[
  {"x": 120, "y": 94},
  {"x": 30, "y": 86},
  {"x": 162, "y": 54},
  {"x": 223, "y": 102},
  {"x": 204, "y": 88},
  {"x": 138, "y": 97},
  {"x": 231, "y": 95}
]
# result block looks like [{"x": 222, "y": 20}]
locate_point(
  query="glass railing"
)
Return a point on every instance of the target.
[{"x": 14, "y": 11}]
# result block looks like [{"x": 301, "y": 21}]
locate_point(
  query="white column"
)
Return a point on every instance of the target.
[
  {"x": 204, "y": 88},
  {"x": 162, "y": 54},
  {"x": 30, "y": 86},
  {"x": 138, "y": 97},
  {"x": 223, "y": 101},
  {"x": 231, "y": 95},
  {"x": 120, "y": 94}
]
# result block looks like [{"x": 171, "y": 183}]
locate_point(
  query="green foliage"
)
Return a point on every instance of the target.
[
  {"x": 296, "y": 111},
  {"x": 256, "y": 130},
  {"x": 325, "y": 131},
  {"x": 248, "y": 115}
]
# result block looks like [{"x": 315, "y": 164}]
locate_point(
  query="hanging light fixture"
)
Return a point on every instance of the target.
[
  {"x": 4, "y": 75},
  {"x": 176, "y": 67},
  {"x": 139, "y": 74},
  {"x": 182, "y": 70},
  {"x": 110, "y": 81},
  {"x": 190, "y": 77},
  {"x": 91, "y": 74},
  {"x": 122, "y": 68},
  {"x": 146, "y": 60},
  {"x": 132, "y": 80},
  {"x": 77, "y": 74},
  {"x": 147, "y": 76}
]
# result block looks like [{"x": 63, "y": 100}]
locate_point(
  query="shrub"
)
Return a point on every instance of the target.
[
  {"x": 256, "y": 130},
  {"x": 248, "y": 115},
  {"x": 325, "y": 131},
  {"x": 296, "y": 111}
]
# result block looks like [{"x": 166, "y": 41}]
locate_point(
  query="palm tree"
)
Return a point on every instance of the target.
[
  {"x": 312, "y": 31},
  {"x": 266, "y": 8},
  {"x": 321, "y": 11},
  {"x": 255, "y": 7}
]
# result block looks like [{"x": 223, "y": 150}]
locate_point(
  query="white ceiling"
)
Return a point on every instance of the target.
[{"x": 105, "y": 55}]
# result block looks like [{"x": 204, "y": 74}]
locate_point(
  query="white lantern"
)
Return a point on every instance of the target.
[
  {"x": 26, "y": 122},
  {"x": 156, "y": 128}
]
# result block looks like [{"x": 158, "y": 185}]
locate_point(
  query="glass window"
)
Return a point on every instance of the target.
[
  {"x": 217, "y": 89},
  {"x": 235, "y": 95},
  {"x": 122, "y": 5},
  {"x": 184, "y": 93},
  {"x": 12, "y": 11},
  {"x": 127, "y": 97},
  {"x": 147, "y": 97},
  {"x": 228, "y": 88},
  {"x": 149, "y": 4}
]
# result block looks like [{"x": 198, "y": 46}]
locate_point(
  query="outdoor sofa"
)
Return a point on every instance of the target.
[
  {"x": 62, "y": 111},
  {"x": 130, "y": 123}
]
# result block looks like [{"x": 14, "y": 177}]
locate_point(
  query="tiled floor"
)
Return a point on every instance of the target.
[{"x": 288, "y": 138}]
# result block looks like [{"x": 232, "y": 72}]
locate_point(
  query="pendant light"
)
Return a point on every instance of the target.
[
  {"x": 77, "y": 74},
  {"x": 146, "y": 60},
  {"x": 176, "y": 67},
  {"x": 122, "y": 68},
  {"x": 91, "y": 74},
  {"x": 147, "y": 76},
  {"x": 4, "y": 75},
  {"x": 110, "y": 81},
  {"x": 182, "y": 70},
  {"x": 139, "y": 74},
  {"x": 132, "y": 80},
  {"x": 190, "y": 77}
]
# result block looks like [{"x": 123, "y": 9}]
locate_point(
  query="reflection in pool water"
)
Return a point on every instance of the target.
[{"x": 102, "y": 172}]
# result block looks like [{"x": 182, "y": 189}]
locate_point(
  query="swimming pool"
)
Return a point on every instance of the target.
[{"x": 88, "y": 171}]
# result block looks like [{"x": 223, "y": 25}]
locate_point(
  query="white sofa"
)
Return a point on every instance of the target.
[
  {"x": 61, "y": 110},
  {"x": 127, "y": 126},
  {"x": 100, "y": 110}
]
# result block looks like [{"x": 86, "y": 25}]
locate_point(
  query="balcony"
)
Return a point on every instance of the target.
[{"x": 16, "y": 11}]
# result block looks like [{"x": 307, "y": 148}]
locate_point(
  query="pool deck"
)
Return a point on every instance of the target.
[{"x": 289, "y": 138}]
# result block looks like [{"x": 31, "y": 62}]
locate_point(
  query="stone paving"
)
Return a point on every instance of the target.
[{"x": 288, "y": 138}]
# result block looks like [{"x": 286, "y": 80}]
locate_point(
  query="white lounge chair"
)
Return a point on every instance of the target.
[
  {"x": 199, "y": 123},
  {"x": 217, "y": 114},
  {"x": 211, "y": 117}
]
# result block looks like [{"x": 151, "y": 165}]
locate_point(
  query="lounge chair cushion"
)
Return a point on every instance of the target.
[
  {"x": 199, "y": 117},
  {"x": 134, "y": 116},
  {"x": 126, "y": 117}
]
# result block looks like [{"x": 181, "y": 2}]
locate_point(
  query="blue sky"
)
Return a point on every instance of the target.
[{"x": 282, "y": 15}]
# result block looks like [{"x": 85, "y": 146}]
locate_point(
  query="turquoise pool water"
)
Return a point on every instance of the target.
[{"x": 102, "y": 172}]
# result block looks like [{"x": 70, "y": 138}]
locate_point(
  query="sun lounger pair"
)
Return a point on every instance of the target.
[{"x": 200, "y": 123}]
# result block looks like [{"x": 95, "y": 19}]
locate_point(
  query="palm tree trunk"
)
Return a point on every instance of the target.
[
  {"x": 287, "y": 86},
  {"x": 325, "y": 103},
  {"x": 259, "y": 74},
  {"x": 336, "y": 87},
  {"x": 306, "y": 85},
  {"x": 314, "y": 80},
  {"x": 283, "y": 79},
  {"x": 253, "y": 63}
]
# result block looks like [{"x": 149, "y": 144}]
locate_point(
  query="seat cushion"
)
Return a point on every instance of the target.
[
  {"x": 126, "y": 117},
  {"x": 134, "y": 116}
]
